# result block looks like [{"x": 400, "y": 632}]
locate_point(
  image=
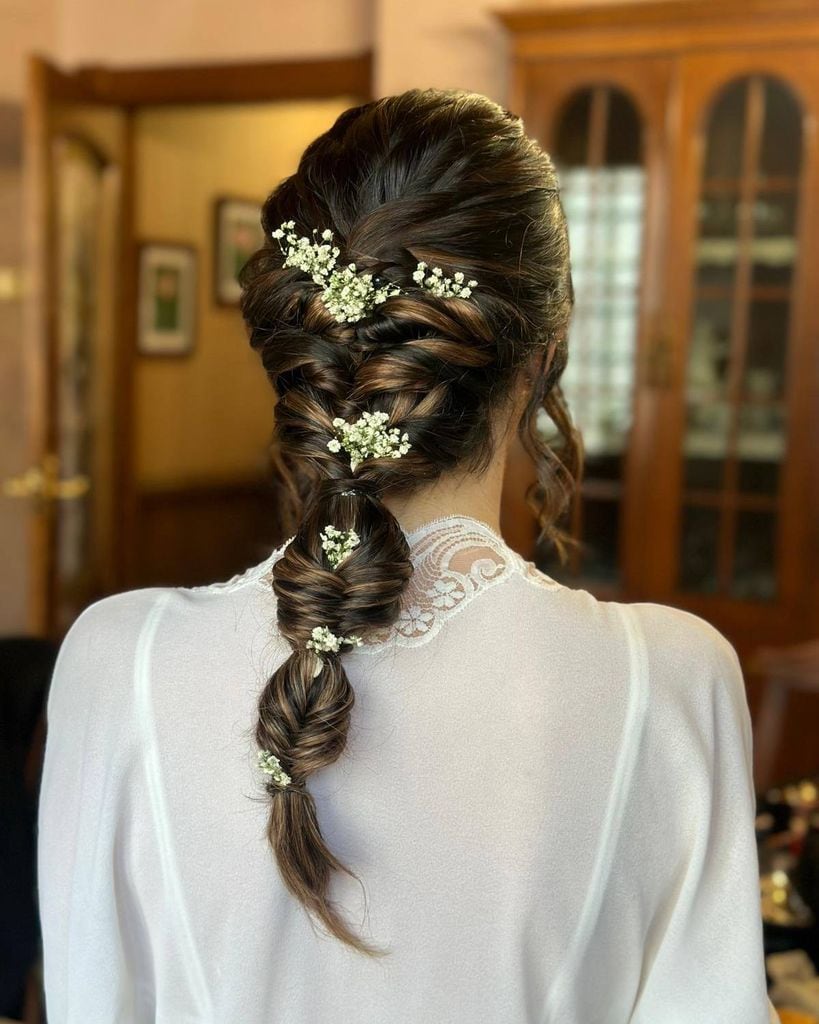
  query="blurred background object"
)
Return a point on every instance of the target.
[
  {"x": 785, "y": 671},
  {"x": 26, "y": 664}
]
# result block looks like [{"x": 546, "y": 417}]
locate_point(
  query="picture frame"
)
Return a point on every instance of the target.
[
  {"x": 237, "y": 234},
  {"x": 167, "y": 288}
]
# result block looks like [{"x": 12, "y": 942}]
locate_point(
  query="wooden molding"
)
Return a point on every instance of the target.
[
  {"x": 664, "y": 28},
  {"x": 655, "y": 13},
  {"x": 196, "y": 489},
  {"x": 222, "y": 83}
]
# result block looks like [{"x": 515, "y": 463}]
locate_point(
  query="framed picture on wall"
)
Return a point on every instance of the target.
[
  {"x": 237, "y": 235},
  {"x": 167, "y": 299}
]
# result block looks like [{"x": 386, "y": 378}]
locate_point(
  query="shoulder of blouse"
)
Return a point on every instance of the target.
[{"x": 96, "y": 657}]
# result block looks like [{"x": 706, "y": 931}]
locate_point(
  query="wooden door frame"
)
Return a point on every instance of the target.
[
  {"x": 129, "y": 89},
  {"x": 46, "y": 87}
]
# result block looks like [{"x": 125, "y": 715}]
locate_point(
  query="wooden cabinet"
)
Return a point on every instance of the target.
[{"x": 685, "y": 138}]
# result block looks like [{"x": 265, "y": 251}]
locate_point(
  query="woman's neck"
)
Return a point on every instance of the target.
[{"x": 465, "y": 495}]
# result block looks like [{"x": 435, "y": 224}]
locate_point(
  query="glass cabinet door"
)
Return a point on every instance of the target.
[
  {"x": 598, "y": 152},
  {"x": 735, "y": 424}
]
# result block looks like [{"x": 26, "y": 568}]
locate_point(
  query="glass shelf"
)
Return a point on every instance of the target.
[
  {"x": 711, "y": 499},
  {"x": 759, "y": 293},
  {"x": 759, "y": 447},
  {"x": 711, "y": 186},
  {"x": 777, "y": 252}
]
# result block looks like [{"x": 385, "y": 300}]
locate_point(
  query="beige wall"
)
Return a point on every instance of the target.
[
  {"x": 209, "y": 415},
  {"x": 158, "y": 31},
  {"x": 26, "y": 26},
  {"x": 456, "y": 44}
]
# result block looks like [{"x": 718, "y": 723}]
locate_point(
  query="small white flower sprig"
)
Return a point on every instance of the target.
[
  {"x": 323, "y": 640},
  {"x": 348, "y": 294},
  {"x": 445, "y": 287},
  {"x": 337, "y": 544},
  {"x": 270, "y": 764},
  {"x": 310, "y": 256},
  {"x": 368, "y": 438}
]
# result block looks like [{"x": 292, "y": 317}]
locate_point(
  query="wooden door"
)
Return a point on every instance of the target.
[
  {"x": 603, "y": 121},
  {"x": 735, "y": 450},
  {"x": 75, "y": 156}
]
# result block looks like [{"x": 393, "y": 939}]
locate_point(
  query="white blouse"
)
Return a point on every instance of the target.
[{"x": 547, "y": 798}]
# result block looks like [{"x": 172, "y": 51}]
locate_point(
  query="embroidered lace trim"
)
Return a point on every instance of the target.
[{"x": 455, "y": 559}]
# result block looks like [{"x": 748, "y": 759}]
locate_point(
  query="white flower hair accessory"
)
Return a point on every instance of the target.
[
  {"x": 270, "y": 764},
  {"x": 348, "y": 294},
  {"x": 368, "y": 438},
  {"x": 337, "y": 544},
  {"x": 435, "y": 282},
  {"x": 322, "y": 639}
]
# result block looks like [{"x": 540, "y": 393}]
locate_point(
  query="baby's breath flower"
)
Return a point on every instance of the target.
[
  {"x": 312, "y": 257},
  {"x": 348, "y": 294},
  {"x": 368, "y": 438},
  {"x": 324, "y": 640},
  {"x": 270, "y": 764},
  {"x": 338, "y": 544},
  {"x": 446, "y": 287}
]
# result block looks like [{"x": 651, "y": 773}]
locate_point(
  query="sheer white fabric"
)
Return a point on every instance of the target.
[{"x": 547, "y": 797}]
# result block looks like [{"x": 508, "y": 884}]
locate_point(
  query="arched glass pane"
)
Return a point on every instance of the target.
[
  {"x": 726, "y": 133},
  {"x": 781, "y": 150},
  {"x": 573, "y": 130},
  {"x": 745, "y": 254},
  {"x": 599, "y": 158}
]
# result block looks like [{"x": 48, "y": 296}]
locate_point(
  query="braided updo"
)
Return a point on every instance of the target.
[{"x": 450, "y": 178}]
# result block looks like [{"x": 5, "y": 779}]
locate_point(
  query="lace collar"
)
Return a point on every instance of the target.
[{"x": 455, "y": 558}]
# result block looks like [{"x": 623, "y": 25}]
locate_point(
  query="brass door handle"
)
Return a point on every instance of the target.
[
  {"x": 44, "y": 482},
  {"x": 25, "y": 485}
]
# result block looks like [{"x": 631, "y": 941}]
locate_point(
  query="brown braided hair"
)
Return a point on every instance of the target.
[{"x": 448, "y": 177}]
